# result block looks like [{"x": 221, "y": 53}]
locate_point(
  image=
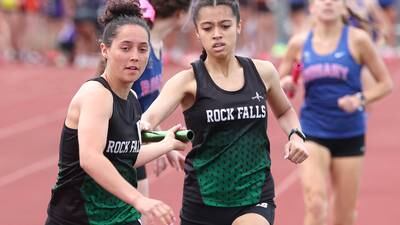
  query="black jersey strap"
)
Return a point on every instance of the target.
[
  {"x": 102, "y": 81},
  {"x": 197, "y": 68},
  {"x": 200, "y": 72},
  {"x": 254, "y": 70}
]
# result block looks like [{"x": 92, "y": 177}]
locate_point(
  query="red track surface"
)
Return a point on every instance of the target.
[{"x": 33, "y": 105}]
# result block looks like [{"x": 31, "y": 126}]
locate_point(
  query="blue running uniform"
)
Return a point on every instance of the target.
[{"x": 326, "y": 79}]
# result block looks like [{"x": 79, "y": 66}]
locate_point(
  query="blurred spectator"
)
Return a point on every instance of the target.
[
  {"x": 259, "y": 31},
  {"x": 299, "y": 18},
  {"x": 86, "y": 49},
  {"x": 5, "y": 37},
  {"x": 390, "y": 13},
  {"x": 11, "y": 25},
  {"x": 60, "y": 31}
]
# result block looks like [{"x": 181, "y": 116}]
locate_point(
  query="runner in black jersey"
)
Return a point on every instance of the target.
[
  {"x": 228, "y": 178},
  {"x": 100, "y": 141}
]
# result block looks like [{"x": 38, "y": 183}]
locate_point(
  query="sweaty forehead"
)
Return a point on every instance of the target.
[{"x": 215, "y": 14}]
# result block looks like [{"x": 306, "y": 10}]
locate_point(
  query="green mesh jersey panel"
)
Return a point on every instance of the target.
[
  {"x": 226, "y": 163},
  {"x": 102, "y": 207}
]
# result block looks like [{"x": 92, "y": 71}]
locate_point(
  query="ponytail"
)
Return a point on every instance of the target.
[
  {"x": 354, "y": 19},
  {"x": 203, "y": 55}
]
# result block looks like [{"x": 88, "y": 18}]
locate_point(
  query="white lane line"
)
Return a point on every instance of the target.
[
  {"x": 286, "y": 183},
  {"x": 28, "y": 170},
  {"x": 31, "y": 123}
]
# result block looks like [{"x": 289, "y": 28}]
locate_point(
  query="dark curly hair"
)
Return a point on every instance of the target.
[
  {"x": 167, "y": 8},
  {"x": 118, "y": 13}
]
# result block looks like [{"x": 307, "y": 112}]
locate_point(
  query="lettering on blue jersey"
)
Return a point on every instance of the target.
[
  {"x": 238, "y": 113},
  {"x": 325, "y": 70},
  {"x": 150, "y": 86}
]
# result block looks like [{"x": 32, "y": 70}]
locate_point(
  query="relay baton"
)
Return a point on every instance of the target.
[
  {"x": 155, "y": 136},
  {"x": 295, "y": 77}
]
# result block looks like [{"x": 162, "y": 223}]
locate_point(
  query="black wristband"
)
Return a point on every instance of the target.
[
  {"x": 298, "y": 132},
  {"x": 361, "y": 96}
]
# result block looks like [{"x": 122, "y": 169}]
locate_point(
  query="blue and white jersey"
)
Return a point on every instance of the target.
[
  {"x": 148, "y": 86},
  {"x": 326, "y": 79}
]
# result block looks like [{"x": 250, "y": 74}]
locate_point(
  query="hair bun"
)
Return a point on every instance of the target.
[{"x": 119, "y": 8}]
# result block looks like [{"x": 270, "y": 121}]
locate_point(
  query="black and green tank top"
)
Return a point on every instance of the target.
[
  {"x": 77, "y": 198},
  {"x": 229, "y": 164}
]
